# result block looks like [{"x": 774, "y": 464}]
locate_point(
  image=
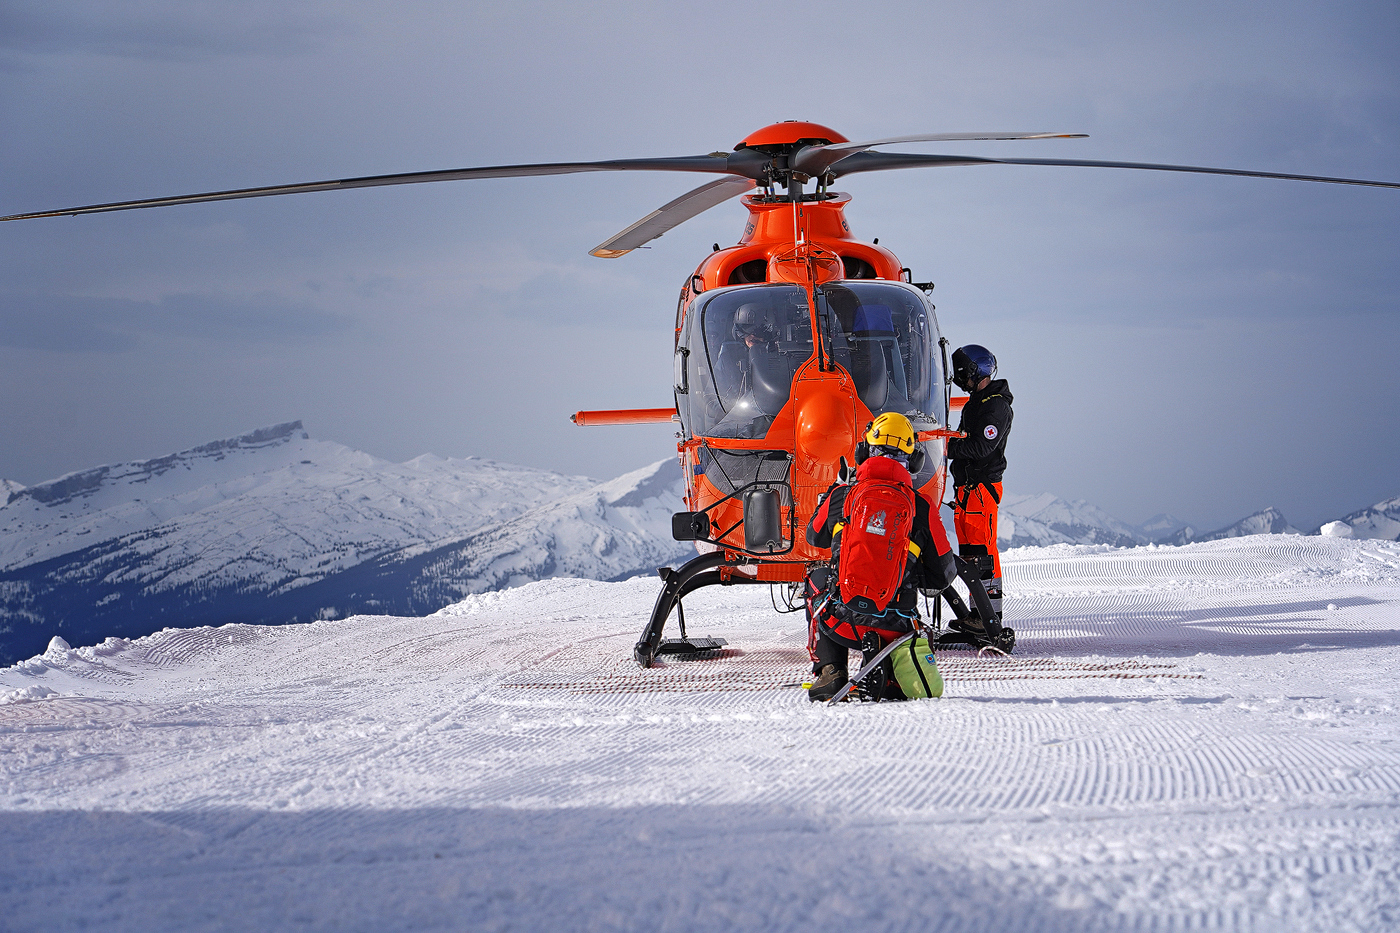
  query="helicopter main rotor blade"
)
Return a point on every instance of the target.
[
  {"x": 881, "y": 161},
  {"x": 717, "y": 162},
  {"x": 671, "y": 215},
  {"x": 815, "y": 160}
]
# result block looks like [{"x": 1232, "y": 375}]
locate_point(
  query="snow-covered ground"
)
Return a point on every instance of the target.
[{"x": 1202, "y": 737}]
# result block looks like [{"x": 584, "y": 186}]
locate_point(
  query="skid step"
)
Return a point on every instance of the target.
[{"x": 690, "y": 645}]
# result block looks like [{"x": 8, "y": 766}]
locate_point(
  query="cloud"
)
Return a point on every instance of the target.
[
  {"x": 574, "y": 294},
  {"x": 177, "y": 32},
  {"x": 67, "y": 323}
]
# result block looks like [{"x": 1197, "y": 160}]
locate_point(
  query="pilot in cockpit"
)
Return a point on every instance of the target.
[
  {"x": 755, "y": 326},
  {"x": 742, "y": 372}
]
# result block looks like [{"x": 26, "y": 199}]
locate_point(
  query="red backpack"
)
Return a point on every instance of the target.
[{"x": 875, "y": 540}]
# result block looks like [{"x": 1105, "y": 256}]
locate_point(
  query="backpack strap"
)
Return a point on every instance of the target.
[{"x": 919, "y": 668}]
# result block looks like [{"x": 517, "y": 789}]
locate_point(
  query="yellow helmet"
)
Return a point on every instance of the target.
[{"x": 891, "y": 430}]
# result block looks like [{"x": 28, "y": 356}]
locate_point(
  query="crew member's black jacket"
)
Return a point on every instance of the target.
[
  {"x": 986, "y": 420},
  {"x": 934, "y": 567}
]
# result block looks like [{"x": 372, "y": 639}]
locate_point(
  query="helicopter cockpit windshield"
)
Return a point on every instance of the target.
[
  {"x": 744, "y": 347},
  {"x": 741, "y": 348},
  {"x": 882, "y": 334}
]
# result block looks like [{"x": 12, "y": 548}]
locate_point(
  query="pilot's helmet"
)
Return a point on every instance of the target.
[{"x": 753, "y": 320}]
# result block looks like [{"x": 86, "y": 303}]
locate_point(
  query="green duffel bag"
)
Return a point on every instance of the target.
[{"x": 916, "y": 670}]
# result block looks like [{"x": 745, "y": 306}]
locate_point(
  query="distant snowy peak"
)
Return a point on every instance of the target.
[
  {"x": 8, "y": 490},
  {"x": 270, "y": 505},
  {"x": 1379, "y": 522},
  {"x": 1162, "y": 525},
  {"x": 662, "y": 481},
  {"x": 88, "y": 483},
  {"x": 1045, "y": 519},
  {"x": 276, "y": 526},
  {"x": 1269, "y": 521},
  {"x": 615, "y": 530},
  {"x": 1183, "y": 535}
]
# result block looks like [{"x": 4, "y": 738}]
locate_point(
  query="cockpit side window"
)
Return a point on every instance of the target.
[{"x": 883, "y": 338}]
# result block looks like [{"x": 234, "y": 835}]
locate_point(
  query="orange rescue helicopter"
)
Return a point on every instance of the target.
[{"x": 786, "y": 344}]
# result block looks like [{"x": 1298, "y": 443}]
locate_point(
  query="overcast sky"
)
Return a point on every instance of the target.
[{"x": 1204, "y": 346}]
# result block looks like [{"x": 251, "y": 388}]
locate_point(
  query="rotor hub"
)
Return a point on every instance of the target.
[{"x": 789, "y": 136}]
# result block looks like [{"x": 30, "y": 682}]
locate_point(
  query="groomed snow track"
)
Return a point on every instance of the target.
[{"x": 1195, "y": 738}]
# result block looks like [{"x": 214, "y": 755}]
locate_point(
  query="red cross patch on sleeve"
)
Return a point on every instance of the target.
[{"x": 990, "y": 432}]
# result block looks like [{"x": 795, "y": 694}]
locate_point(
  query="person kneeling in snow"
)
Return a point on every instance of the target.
[{"x": 886, "y": 544}]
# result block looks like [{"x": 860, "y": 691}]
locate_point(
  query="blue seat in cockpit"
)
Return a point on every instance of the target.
[
  {"x": 872, "y": 333},
  {"x": 873, "y": 319}
]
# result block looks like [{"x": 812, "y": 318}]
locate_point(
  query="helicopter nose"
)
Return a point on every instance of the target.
[{"x": 826, "y": 425}]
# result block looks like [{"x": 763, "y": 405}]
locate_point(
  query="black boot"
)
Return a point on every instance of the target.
[
  {"x": 879, "y": 684},
  {"x": 971, "y": 625},
  {"x": 972, "y": 631},
  {"x": 828, "y": 683}
]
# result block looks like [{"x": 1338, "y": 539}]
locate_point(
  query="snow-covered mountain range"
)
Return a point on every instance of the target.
[
  {"x": 1045, "y": 519},
  {"x": 1381, "y": 521},
  {"x": 1039, "y": 520},
  {"x": 276, "y": 526},
  {"x": 1268, "y": 521}
]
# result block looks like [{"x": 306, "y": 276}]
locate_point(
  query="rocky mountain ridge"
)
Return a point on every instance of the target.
[{"x": 1381, "y": 521}]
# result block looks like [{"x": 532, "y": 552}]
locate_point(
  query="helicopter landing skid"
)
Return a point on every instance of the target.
[
  {"x": 1004, "y": 641},
  {"x": 692, "y": 575},
  {"x": 967, "y": 627},
  {"x": 686, "y": 649}
]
